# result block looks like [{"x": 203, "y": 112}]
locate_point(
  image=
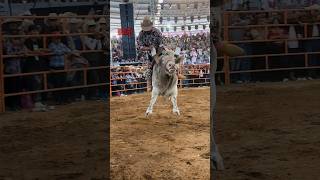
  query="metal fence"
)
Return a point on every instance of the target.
[{"x": 44, "y": 74}]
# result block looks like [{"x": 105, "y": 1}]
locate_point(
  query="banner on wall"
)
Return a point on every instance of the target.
[{"x": 125, "y": 31}]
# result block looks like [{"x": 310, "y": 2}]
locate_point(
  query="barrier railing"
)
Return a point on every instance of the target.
[
  {"x": 44, "y": 75},
  {"x": 284, "y": 23},
  {"x": 196, "y": 75}
]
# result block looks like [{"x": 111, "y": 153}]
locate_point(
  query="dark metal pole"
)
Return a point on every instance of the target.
[{"x": 10, "y": 7}]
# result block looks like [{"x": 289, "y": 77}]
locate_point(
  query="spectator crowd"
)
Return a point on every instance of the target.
[
  {"x": 131, "y": 79},
  {"x": 63, "y": 49},
  {"x": 194, "y": 47},
  {"x": 272, "y": 40}
]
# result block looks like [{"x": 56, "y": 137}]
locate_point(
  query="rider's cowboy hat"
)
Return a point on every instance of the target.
[{"x": 146, "y": 24}]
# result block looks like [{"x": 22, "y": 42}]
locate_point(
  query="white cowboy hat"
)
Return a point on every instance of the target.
[
  {"x": 52, "y": 16},
  {"x": 26, "y": 13},
  {"x": 146, "y": 24},
  {"x": 74, "y": 21},
  {"x": 102, "y": 21},
  {"x": 91, "y": 23},
  {"x": 68, "y": 14},
  {"x": 12, "y": 20}
]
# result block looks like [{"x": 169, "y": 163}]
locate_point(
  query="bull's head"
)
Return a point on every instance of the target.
[{"x": 168, "y": 62}]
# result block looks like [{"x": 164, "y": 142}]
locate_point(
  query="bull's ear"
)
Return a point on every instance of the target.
[
  {"x": 179, "y": 59},
  {"x": 157, "y": 59}
]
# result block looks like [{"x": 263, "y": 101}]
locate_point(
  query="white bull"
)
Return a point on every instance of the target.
[{"x": 165, "y": 80}]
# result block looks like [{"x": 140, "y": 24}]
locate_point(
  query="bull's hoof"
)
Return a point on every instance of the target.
[
  {"x": 148, "y": 113},
  {"x": 176, "y": 112}
]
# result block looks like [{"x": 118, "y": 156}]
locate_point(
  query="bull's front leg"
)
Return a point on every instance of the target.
[
  {"x": 175, "y": 109},
  {"x": 153, "y": 100}
]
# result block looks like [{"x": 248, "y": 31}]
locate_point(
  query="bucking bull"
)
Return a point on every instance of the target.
[{"x": 165, "y": 79}]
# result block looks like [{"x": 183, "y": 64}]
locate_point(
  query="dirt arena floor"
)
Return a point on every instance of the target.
[
  {"x": 164, "y": 146},
  {"x": 68, "y": 143},
  {"x": 265, "y": 131},
  {"x": 270, "y": 131}
]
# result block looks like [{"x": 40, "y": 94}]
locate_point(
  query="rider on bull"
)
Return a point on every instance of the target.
[{"x": 150, "y": 41}]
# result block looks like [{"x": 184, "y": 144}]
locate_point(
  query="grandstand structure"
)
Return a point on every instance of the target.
[
  {"x": 17, "y": 7},
  {"x": 168, "y": 15}
]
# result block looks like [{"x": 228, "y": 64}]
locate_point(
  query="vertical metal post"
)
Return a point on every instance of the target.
[
  {"x": 2, "y": 96},
  {"x": 226, "y": 65}
]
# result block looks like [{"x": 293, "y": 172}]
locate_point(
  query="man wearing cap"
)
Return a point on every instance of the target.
[
  {"x": 11, "y": 26},
  {"x": 150, "y": 41},
  {"x": 95, "y": 59},
  {"x": 52, "y": 24},
  {"x": 74, "y": 42},
  {"x": 35, "y": 63},
  {"x": 103, "y": 30},
  {"x": 57, "y": 62}
]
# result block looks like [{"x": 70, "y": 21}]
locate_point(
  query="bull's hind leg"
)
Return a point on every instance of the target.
[
  {"x": 175, "y": 106},
  {"x": 152, "y": 102}
]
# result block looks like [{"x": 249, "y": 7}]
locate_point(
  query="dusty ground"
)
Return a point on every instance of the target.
[
  {"x": 265, "y": 131},
  {"x": 270, "y": 131},
  {"x": 164, "y": 146},
  {"x": 65, "y": 144}
]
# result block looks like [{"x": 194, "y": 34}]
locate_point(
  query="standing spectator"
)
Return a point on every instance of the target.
[
  {"x": 278, "y": 47},
  {"x": 57, "y": 62},
  {"x": 313, "y": 45},
  {"x": 243, "y": 63},
  {"x": 95, "y": 59},
  {"x": 35, "y": 64},
  {"x": 104, "y": 32},
  {"x": 52, "y": 24},
  {"x": 194, "y": 56},
  {"x": 74, "y": 42},
  {"x": 13, "y": 65},
  {"x": 75, "y": 78},
  {"x": 11, "y": 26}
]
